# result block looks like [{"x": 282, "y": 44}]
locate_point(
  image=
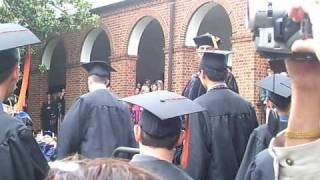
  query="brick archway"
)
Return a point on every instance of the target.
[
  {"x": 137, "y": 27},
  {"x": 48, "y": 51},
  {"x": 196, "y": 15},
  {"x": 89, "y": 41}
]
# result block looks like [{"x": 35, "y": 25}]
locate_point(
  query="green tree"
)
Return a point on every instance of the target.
[{"x": 48, "y": 17}]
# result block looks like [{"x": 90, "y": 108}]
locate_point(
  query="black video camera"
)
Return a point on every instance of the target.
[{"x": 274, "y": 31}]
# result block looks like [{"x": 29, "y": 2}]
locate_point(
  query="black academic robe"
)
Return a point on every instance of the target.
[
  {"x": 20, "y": 156},
  {"x": 219, "y": 135},
  {"x": 49, "y": 117},
  {"x": 232, "y": 83},
  {"x": 261, "y": 168},
  {"x": 194, "y": 88},
  {"x": 259, "y": 141},
  {"x": 162, "y": 168},
  {"x": 96, "y": 124}
]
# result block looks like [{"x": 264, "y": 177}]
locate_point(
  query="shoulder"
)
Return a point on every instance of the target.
[{"x": 9, "y": 126}]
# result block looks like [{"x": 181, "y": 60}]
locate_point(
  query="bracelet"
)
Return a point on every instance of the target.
[{"x": 303, "y": 135}]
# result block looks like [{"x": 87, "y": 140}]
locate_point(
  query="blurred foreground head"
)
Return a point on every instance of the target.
[{"x": 98, "y": 169}]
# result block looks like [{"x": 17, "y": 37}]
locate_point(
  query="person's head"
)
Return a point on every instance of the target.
[
  {"x": 154, "y": 87},
  {"x": 147, "y": 82},
  {"x": 279, "y": 91},
  {"x": 138, "y": 86},
  {"x": 145, "y": 89},
  {"x": 282, "y": 104},
  {"x": 99, "y": 74},
  {"x": 98, "y": 169},
  {"x": 160, "y": 84},
  {"x": 213, "y": 68},
  {"x": 156, "y": 133},
  {"x": 160, "y": 125},
  {"x": 206, "y": 42},
  {"x": 137, "y": 91},
  {"x": 61, "y": 92},
  {"x": 9, "y": 71},
  {"x": 94, "y": 80},
  {"x": 12, "y": 36}
]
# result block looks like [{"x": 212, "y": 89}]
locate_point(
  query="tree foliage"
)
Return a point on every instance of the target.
[{"x": 48, "y": 17}]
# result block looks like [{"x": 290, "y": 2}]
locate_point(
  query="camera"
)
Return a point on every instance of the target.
[{"x": 274, "y": 31}]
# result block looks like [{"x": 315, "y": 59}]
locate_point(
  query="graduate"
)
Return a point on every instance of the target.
[
  {"x": 256, "y": 165},
  {"x": 217, "y": 137},
  {"x": 160, "y": 131},
  {"x": 97, "y": 123},
  {"x": 20, "y": 156}
]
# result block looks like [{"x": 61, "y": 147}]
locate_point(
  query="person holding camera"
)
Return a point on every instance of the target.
[{"x": 294, "y": 152}]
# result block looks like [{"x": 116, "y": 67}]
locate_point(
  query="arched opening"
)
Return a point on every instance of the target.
[
  {"x": 147, "y": 43},
  {"x": 54, "y": 59},
  {"x": 210, "y": 18},
  {"x": 96, "y": 47}
]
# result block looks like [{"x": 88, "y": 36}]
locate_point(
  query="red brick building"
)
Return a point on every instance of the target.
[{"x": 147, "y": 39}]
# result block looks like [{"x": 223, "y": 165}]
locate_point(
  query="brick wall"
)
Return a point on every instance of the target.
[{"x": 119, "y": 24}]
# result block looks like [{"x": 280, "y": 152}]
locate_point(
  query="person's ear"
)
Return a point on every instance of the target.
[
  {"x": 181, "y": 138},
  {"x": 137, "y": 133}
]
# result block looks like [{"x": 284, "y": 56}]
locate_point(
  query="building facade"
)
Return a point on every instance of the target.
[{"x": 147, "y": 39}]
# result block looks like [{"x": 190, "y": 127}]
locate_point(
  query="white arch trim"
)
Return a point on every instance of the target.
[
  {"x": 48, "y": 52},
  {"x": 195, "y": 23},
  {"x": 136, "y": 34},
  {"x": 88, "y": 45}
]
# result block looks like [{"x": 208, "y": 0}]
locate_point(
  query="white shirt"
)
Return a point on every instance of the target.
[{"x": 301, "y": 162}]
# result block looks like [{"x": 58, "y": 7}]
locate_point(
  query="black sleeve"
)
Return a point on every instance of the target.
[
  {"x": 198, "y": 152},
  {"x": 248, "y": 157},
  {"x": 27, "y": 159},
  {"x": 71, "y": 130}
]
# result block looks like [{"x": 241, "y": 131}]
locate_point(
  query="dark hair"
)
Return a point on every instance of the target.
[
  {"x": 98, "y": 79},
  {"x": 280, "y": 102},
  {"x": 168, "y": 142},
  {"x": 6, "y": 74},
  {"x": 216, "y": 75},
  {"x": 102, "y": 169}
]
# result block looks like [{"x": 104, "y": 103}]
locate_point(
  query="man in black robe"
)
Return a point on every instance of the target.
[
  {"x": 217, "y": 139},
  {"x": 160, "y": 131},
  {"x": 279, "y": 93},
  {"x": 20, "y": 156},
  {"x": 194, "y": 88},
  {"x": 48, "y": 114},
  {"x": 97, "y": 123},
  {"x": 232, "y": 82}
]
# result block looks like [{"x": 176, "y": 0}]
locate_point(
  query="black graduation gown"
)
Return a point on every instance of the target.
[
  {"x": 261, "y": 168},
  {"x": 162, "y": 168},
  {"x": 96, "y": 124},
  {"x": 194, "y": 88},
  {"x": 259, "y": 141},
  {"x": 20, "y": 156},
  {"x": 48, "y": 114},
  {"x": 218, "y": 136},
  {"x": 232, "y": 83}
]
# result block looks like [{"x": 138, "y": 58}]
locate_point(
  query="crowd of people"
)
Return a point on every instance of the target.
[{"x": 215, "y": 128}]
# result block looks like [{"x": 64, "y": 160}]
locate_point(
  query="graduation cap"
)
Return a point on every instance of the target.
[
  {"x": 13, "y": 36},
  {"x": 279, "y": 88},
  {"x": 208, "y": 40},
  {"x": 99, "y": 68},
  {"x": 216, "y": 60},
  {"x": 162, "y": 110}
]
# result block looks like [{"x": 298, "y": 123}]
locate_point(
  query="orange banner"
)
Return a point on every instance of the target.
[{"x": 25, "y": 81}]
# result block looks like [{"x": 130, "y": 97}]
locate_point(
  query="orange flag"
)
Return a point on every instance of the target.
[{"x": 25, "y": 81}]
